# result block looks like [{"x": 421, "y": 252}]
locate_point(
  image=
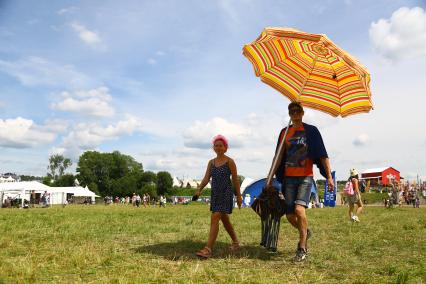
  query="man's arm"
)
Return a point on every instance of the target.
[
  {"x": 278, "y": 157},
  {"x": 326, "y": 164}
]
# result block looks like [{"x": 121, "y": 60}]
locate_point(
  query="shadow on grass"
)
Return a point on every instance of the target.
[{"x": 185, "y": 249}]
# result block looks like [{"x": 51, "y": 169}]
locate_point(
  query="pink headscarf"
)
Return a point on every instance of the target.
[{"x": 222, "y": 138}]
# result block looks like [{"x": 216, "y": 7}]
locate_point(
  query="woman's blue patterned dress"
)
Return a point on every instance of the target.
[{"x": 222, "y": 199}]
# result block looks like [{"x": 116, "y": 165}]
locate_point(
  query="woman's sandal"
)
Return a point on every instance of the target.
[
  {"x": 235, "y": 246},
  {"x": 204, "y": 253}
]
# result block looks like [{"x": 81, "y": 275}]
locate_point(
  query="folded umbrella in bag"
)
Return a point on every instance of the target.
[{"x": 270, "y": 206}]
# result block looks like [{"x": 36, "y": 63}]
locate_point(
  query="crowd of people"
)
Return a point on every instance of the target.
[
  {"x": 404, "y": 193},
  {"x": 136, "y": 200}
]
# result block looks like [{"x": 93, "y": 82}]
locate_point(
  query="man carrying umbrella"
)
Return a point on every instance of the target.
[
  {"x": 313, "y": 71},
  {"x": 303, "y": 148}
]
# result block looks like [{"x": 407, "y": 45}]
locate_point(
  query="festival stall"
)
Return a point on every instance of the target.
[{"x": 56, "y": 195}]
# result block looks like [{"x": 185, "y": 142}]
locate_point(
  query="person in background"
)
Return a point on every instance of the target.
[
  {"x": 355, "y": 198},
  {"x": 162, "y": 201},
  {"x": 247, "y": 200},
  {"x": 138, "y": 200}
]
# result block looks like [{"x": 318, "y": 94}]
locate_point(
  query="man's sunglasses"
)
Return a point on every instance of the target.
[{"x": 295, "y": 110}]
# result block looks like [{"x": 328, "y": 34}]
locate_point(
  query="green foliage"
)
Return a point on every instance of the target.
[
  {"x": 164, "y": 182},
  {"x": 64, "y": 180},
  {"x": 47, "y": 180},
  {"x": 112, "y": 173},
  {"x": 147, "y": 177},
  {"x": 125, "y": 186},
  {"x": 30, "y": 178},
  {"x": 57, "y": 165},
  {"x": 150, "y": 189}
]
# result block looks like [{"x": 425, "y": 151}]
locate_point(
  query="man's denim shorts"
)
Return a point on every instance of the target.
[{"x": 297, "y": 190}]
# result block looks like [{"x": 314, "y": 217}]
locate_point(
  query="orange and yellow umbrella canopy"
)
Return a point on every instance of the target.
[{"x": 311, "y": 69}]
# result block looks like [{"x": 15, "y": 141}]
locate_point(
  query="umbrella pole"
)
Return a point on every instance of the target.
[
  {"x": 277, "y": 156},
  {"x": 277, "y": 232},
  {"x": 266, "y": 231},
  {"x": 270, "y": 231}
]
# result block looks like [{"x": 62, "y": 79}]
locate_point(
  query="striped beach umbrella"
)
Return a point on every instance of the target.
[{"x": 311, "y": 69}]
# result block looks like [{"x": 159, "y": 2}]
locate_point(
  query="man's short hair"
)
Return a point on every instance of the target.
[{"x": 295, "y": 105}]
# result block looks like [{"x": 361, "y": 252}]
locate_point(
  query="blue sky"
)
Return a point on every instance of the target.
[{"x": 157, "y": 79}]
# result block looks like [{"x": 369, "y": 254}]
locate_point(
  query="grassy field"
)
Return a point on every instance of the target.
[{"x": 122, "y": 244}]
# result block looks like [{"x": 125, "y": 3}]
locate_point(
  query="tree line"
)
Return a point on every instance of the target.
[{"x": 112, "y": 174}]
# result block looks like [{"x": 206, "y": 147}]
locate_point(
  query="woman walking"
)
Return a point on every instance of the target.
[
  {"x": 353, "y": 196},
  {"x": 220, "y": 169}
]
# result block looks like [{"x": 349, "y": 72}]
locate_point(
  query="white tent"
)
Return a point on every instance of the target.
[
  {"x": 246, "y": 182},
  {"x": 10, "y": 179},
  {"x": 57, "y": 194},
  {"x": 21, "y": 189},
  {"x": 75, "y": 191},
  {"x": 27, "y": 185}
]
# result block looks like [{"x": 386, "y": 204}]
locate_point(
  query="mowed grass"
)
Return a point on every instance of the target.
[{"x": 123, "y": 244}]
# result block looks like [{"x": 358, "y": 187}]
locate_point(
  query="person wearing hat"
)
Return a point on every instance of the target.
[
  {"x": 304, "y": 147},
  {"x": 355, "y": 198}
]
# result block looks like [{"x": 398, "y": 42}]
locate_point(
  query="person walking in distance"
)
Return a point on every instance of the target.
[{"x": 354, "y": 196}]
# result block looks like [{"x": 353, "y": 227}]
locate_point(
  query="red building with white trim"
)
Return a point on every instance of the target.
[{"x": 381, "y": 176}]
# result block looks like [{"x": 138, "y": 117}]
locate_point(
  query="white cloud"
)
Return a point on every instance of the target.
[
  {"x": 361, "y": 140},
  {"x": 201, "y": 133},
  {"x": 68, "y": 10},
  {"x": 95, "y": 102},
  {"x": 89, "y": 136},
  {"x": 23, "y": 133},
  {"x": 35, "y": 71},
  {"x": 401, "y": 36},
  {"x": 152, "y": 61},
  {"x": 54, "y": 125},
  {"x": 88, "y": 36}
]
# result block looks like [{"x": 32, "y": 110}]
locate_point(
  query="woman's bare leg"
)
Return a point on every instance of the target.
[
  {"x": 351, "y": 209},
  {"x": 360, "y": 207},
  {"x": 228, "y": 227},
  {"x": 214, "y": 229}
]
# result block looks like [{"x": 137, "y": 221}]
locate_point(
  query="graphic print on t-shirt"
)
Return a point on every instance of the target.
[{"x": 297, "y": 150}]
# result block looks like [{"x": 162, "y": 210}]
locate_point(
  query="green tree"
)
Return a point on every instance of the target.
[
  {"x": 65, "y": 180},
  {"x": 30, "y": 178},
  {"x": 125, "y": 186},
  {"x": 93, "y": 168},
  {"x": 112, "y": 173},
  {"x": 164, "y": 182},
  {"x": 147, "y": 177},
  {"x": 47, "y": 180},
  {"x": 150, "y": 189},
  {"x": 57, "y": 165}
]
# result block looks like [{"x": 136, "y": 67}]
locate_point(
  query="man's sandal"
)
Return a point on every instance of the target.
[
  {"x": 235, "y": 246},
  {"x": 204, "y": 253}
]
